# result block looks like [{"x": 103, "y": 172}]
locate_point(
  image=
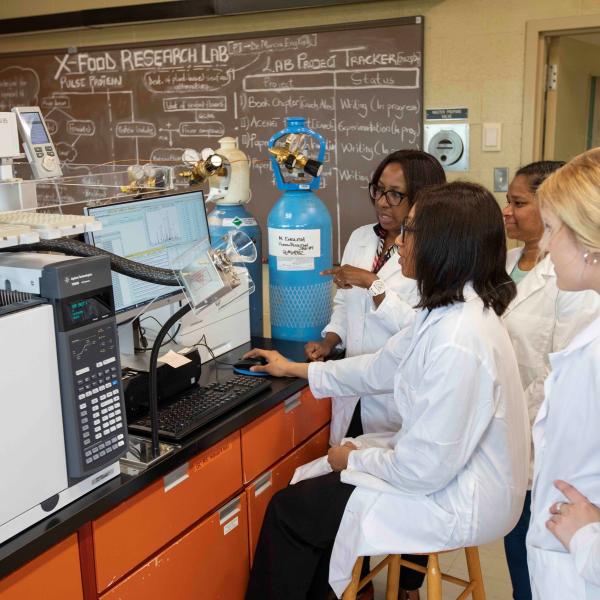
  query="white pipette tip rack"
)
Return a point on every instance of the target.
[
  {"x": 15, "y": 235},
  {"x": 18, "y": 228}
]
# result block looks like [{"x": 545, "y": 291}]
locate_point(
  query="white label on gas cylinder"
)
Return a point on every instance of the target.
[
  {"x": 231, "y": 525},
  {"x": 285, "y": 263},
  {"x": 239, "y": 222},
  {"x": 295, "y": 243}
]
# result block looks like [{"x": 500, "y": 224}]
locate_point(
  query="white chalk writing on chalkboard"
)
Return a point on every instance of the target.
[{"x": 361, "y": 88}]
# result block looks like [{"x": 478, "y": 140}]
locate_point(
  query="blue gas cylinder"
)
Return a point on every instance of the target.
[
  {"x": 225, "y": 218},
  {"x": 300, "y": 247}
]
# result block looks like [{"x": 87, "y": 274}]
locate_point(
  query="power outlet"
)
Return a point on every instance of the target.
[{"x": 501, "y": 179}]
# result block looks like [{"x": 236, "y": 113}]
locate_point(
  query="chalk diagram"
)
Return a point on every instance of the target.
[{"x": 153, "y": 111}]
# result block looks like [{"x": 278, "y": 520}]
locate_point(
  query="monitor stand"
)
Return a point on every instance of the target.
[{"x": 130, "y": 338}]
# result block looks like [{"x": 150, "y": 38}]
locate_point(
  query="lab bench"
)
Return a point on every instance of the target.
[{"x": 187, "y": 526}]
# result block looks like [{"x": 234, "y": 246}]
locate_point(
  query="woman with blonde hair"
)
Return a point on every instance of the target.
[
  {"x": 541, "y": 320},
  {"x": 566, "y": 432}
]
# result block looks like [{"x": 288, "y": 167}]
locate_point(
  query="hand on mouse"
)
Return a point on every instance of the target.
[{"x": 277, "y": 365}]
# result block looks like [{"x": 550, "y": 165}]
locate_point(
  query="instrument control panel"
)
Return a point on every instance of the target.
[{"x": 37, "y": 144}]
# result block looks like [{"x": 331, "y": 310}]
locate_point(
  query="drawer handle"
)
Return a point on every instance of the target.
[
  {"x": 292, "y": 402},
  {"x": 229, "y": 510},
  {"x": 175, "y": 477},
  {"x": 263, "y": 483}
]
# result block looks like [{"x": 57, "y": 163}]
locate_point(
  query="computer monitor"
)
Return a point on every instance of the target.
[{"x": 153, "y": 231}]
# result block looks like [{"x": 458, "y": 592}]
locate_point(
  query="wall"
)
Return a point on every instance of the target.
[
  {"x": 474, "y": 50},
  {"x": 578, "y": 62}
]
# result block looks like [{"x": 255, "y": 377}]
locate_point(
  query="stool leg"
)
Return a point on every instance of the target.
[
  {"x": 393, "y": 578},
  {"x": 434, "y": 578},
  {"x": 352, "y": 589},
  {"x": 475, "y": 575}
]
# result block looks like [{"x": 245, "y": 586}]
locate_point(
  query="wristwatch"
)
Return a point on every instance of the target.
[{"x": 377, "y": 288}]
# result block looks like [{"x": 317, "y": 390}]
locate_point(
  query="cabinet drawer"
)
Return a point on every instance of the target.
[
  {"x": 54, "y": 575},
  {"x": 210, "y": 561},
  {"x": 280, "y": 430},
  {"x": 136, "y": 529},
  {"x": 266, "y": 440},
  {"x": 261, "y": 490},
  {"x": 310, "y": 416}
]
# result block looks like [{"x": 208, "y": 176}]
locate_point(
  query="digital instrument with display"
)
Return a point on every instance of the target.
[
  {"x": 93, "y": 410},
  {"x": 63, "y": 424},
  {"x": 37, "y": 144},
  {"x": 152, "y": 231}
]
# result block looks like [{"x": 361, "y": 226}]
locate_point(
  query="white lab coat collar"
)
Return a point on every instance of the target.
[
  {"x": 535, "y": 280},
  {"x": 583, "y": 338},
  {"x": 512, "y": 258},
  {"x": 369, "y": 248},
  {"x": 390, "y": 266}
]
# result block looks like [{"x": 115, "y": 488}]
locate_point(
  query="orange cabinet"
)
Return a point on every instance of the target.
[
  {"x": 260, "y": 491},
  {"x": 208, "y": 562},
  {"x": 140, "y": 526},
  {"x": 310, "y": 416},
  {"x": 273, "y": 435},
  {"x": 54, "y": 575}
]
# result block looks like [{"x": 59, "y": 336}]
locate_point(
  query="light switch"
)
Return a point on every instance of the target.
[{"x": 491, "y": 137}]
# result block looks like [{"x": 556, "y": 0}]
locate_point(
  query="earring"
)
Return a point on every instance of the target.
[{"x": 591, "y": 258}]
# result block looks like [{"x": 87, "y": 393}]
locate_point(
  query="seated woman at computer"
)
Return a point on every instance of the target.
[
  {"x": 455, "y": 474},
  {"x": 374, "y": 301}
]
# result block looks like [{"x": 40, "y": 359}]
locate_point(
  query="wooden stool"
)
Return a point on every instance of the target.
[{"x": 473, "y": 587}]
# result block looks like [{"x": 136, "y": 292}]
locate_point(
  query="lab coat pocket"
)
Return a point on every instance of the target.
[{"x": 448, "y": 522}]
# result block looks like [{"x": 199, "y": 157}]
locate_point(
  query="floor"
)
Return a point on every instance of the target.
[{"x": 493, "y": 566}]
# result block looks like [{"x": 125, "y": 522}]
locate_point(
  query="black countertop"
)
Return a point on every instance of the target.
[{"x": 38, "y": 538}]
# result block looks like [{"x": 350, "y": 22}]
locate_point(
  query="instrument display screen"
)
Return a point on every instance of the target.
[
  {"x": 85, "y": 310},
  {"x": 32, "y": 121}
]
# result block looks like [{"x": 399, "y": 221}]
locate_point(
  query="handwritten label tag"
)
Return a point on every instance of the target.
[
  {"x": 295, "y": 264},
  {"x": 295, "y": 243}
]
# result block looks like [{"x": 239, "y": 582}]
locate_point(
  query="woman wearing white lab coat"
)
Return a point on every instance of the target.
[
  {"x": 374, "y": 299},
  {"x": 454, "y": 474},
  {"x": 540, "y": 320},
  {"x": 565, "y": 433}
]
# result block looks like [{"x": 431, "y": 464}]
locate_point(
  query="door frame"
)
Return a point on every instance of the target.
[{"x": 537, "y": 35}]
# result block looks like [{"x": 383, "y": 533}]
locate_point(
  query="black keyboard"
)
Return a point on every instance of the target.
[{"x": 198, "y": 406}]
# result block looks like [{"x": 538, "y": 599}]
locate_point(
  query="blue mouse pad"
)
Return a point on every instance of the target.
[{"x": 251, "y": 373}]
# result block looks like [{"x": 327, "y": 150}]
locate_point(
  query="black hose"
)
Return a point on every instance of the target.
[
  {"x": 118, "y": 264},
  {"x": 153, "y": 398}
]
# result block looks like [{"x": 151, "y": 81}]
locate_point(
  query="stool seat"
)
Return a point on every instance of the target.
[{"x": 472, "y": 587}]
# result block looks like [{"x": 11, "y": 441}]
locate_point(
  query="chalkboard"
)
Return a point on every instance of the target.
[{"x": 360, "y": 86}]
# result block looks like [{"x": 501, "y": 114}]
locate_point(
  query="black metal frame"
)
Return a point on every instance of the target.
[{"x": 158, "y": 11}]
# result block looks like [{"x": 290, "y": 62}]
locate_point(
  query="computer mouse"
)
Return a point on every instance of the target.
[{"x": 243, "y": 365}]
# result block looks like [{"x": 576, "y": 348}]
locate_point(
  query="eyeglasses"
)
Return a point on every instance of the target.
[
  {"x": 405, "y": 228},
  {"x": 393, "y": 197}
]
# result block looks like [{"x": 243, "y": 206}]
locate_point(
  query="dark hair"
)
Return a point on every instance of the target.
[
  {"x": 459, "y": 238},
  {"x": 538, "y": 172},
  {"x": 420, "y": 170}
]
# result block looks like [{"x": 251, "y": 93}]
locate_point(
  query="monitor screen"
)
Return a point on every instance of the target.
[
  {"x": 32, "y": 121},
  {"x": 153, "y": 231}
]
